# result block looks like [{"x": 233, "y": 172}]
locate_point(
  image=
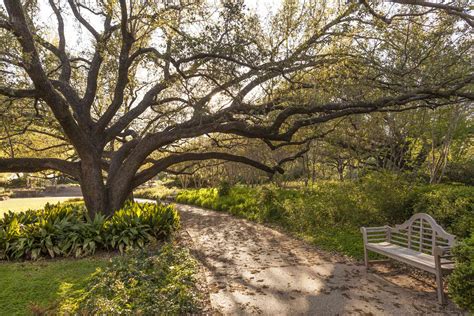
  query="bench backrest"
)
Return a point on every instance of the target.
[{"x": 420, "y": 233}]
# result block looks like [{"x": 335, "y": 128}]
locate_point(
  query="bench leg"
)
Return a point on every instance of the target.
[
  {"x": 439, "y": 285},
  {"x": 439, "y": 280},
  {"x": 366, "y": 258}
]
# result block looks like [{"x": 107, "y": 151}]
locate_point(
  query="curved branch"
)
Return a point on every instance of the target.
[
  {"x": 95, "y": 64},
  {"x": 83, "y": 21},
  {"x": 66, "y": 66},
  {"x": 18, "y": 93},
  {"x": 449, "y": 9},
  {"x": 45, "y": 88},
  {"x": 166, "y": 162},
  {"x": 122, "y": 75},
  {"x": 39, "y": 164}
]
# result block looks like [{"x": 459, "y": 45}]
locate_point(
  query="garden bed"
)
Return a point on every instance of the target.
[{"x": 59, "y": 260}]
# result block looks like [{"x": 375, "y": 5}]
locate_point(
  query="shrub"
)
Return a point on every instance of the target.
[
  {"x": 66, "y": 229},
  {"x": 451, "y": 205},
  {"x": 156, "y": 193},
  {"x": 19, "y": 182},
  {"x": 386, "y": 195},
  {"x": 141, "y": 283},
  {"x": 224, "y": 188},
  {"x": 270, "y": 200},
  {"x": 461, "y": 281},
  {"x": 136, "y": 224},
  {"x": 461, "y": 172}
]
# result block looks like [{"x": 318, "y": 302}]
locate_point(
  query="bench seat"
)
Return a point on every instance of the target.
[{"x": 409, "y": 256}]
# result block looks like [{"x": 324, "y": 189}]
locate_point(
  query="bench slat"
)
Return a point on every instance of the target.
[{"x": 409, "y": 256}]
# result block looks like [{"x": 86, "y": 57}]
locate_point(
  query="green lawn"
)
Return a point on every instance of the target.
[
  {"x": 28, "y": 287},
  {"x": 35, "y": 287},
  {"x": 23, "y": 204}
]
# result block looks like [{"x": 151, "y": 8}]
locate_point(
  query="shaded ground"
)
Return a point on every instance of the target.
[{"x": 252, "y": 269}]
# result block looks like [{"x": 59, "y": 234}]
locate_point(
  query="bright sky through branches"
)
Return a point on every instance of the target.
[{"x": 76, "y": 35}]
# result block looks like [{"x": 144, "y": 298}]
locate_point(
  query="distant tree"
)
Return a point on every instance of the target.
[{"x": 124, "y": 93}]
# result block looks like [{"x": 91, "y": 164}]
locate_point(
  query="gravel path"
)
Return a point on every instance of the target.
[{"x": 252, "y": 269}]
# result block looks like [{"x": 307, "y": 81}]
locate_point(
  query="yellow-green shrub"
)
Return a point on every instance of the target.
[{"x": 451, "y": 205}]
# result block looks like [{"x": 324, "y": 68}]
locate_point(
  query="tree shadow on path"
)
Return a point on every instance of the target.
[{"x": 253, "y": 269}]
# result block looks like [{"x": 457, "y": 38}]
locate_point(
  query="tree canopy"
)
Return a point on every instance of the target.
[{"x": 113, "y": 93}]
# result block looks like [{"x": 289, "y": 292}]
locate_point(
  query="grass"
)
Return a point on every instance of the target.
[
  {"x": 24, "y": 204},
  {"x": 34, "y": 287},
  {"x": 345, "y": 240}
]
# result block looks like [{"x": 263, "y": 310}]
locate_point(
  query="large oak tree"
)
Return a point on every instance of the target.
[{"x": 123, "y": 86}]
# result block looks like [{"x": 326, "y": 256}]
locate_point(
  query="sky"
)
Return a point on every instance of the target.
[
  {"x": 263, "y": 6},
  {"x": 75, "y": 38}
]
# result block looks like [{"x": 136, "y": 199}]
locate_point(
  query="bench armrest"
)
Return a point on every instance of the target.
[{"x": 442, "y": 251}]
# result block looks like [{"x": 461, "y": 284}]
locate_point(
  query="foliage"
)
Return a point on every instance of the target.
[
  {"x": 37, "y": 287},
  {"x": 137, "y": 224},
  {"x": 67, "y": 230},
  {"x": 224, "y": 188},
  {"x": 451, "y": 205},
  {"x": 156, "y": 193},
  {"x": 461, "y": 281},
  {"x": 331, "y": 213},
  {"x": 18, "y": 182},
  {"x": 462, "y": 172},
  {"x": 165, "y": 77},
  {"x": 141, "y": 282}
]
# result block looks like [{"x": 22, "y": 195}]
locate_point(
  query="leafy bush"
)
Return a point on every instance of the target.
[
  {"x": 461, "y": 281},
  {"x": 156, "y": 193},
  {"x": 224, "y": 188},
  {"x": 451, "y": 205},
  {"x": 461, "y": 172},
  {"x": 331, "y": 213},
  {"x": 137, "y": 224},
  {"x": 19, "y": 182},
  {"x": 66, "y": 229},
  {"x": 143, "y": 283}
]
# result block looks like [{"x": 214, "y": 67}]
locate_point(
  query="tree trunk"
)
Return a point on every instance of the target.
[
  {"x": 119, "y": 193},
  {"x": 93, "y": 188}
]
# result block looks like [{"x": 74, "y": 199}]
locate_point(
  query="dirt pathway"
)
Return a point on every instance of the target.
[{"x": 252, "y": 269}]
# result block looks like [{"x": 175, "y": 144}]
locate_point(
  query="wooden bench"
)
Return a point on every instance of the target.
[{"x": 419, "y": 242}]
